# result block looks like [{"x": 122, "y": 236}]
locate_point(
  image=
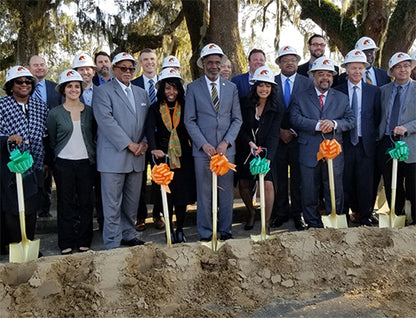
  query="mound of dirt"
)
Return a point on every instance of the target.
[{"x": 358, "y": 264}]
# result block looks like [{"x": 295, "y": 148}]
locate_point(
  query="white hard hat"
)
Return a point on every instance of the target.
[
  {"x": 16, "y": 72},
  {"x": 398, "y": 58},
  {"x": 413, "y": 55},
  {"x": 209, "y": 49},
  {"x": 287, "y": 50},
  {"x": 322, "y": 64},
  {"x": 82, "y": 60},
  {"x": 263, "y": 74},
  {"x": 170, "y": 61},
  {"x": 168, "y": 73},
  {"x": 67, "y": 76},
  {"x": 355, "y": 56},
  {"x": 366, "y": 43},
  {"x": 123, "y": 56}
]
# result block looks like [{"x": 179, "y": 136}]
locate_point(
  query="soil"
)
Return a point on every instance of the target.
[{"x": 316, "y": 273}]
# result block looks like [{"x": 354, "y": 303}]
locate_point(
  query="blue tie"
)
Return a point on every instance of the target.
[
  {"x": 37, "y": 93},
  {"x": 354, "y": 106},
  {"x": 287, "y": 92},
  {"x": 152, "y": 92},
  {"x": 395, "y": 110}
]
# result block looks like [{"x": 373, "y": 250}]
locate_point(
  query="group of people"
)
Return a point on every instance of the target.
[{"x": 98, "y": 128}]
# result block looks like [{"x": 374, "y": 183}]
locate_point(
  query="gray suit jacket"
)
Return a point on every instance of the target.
[
  {"x": 204, "y": 124},
  {"x": 118, "y": 126},
  {"x": 407, "y": 116},
  {"x": 306, "y": 111}
]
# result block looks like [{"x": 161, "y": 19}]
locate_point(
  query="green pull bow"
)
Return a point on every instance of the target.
[
  {"x": 20, "y": 163},
  {"x": 400, "y": 151},
  {"x": 259, "y": 166}
]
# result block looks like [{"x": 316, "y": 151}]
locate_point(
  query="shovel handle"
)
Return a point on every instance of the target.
[
  {"x": 21, "y": 205},
  {"x": 214, "y": 209},
  {"x": 393, "y": 190},
  {"x": 166, "y": 215},
  {"x": 262, "y": 207},
  {"x": 332, "y": 186}
]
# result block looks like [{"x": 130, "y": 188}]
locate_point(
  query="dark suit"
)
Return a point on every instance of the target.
[
  {"x": 243, "y": 86},
  {"x": 139, "y": 81},
  {"x": 406, "y": 169},
  {"x": 205, "y": 125},
  {"x": 304, "y": 68},
  {"x": 304, "y": 115},
  {"x": 53, "y": 98},
  {"x": 288, "y": 156},
  {"x": 359, "y": 160},
  {"x": 381, "y": 77}
]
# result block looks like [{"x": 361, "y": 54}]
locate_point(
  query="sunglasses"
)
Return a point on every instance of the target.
[
  {"x": 21, "y": 82},
  {"x": 125, "y": 69}
]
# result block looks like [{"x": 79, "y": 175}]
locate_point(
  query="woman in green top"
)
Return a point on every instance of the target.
[{"x": 71, "y": 129}]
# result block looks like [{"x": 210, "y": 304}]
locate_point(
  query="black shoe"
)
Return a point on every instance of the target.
[
  {"x": 44, "y": 214},
  {"x": 278, "y": 222},
  {"x": 374, "y": 219},
  {"x": 132, "y": 242},
  {"x": 205, "y": 239},
  {"x": 366, "y": 222},
  {"x": 248, "y": 227},
  {"x": 226, "y": 236},
  {"x": 299, "y": 223},
  {"x": 180, "y": 237}
]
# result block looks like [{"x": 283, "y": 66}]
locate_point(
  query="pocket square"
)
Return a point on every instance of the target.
[{"x": 143, "y": 104}]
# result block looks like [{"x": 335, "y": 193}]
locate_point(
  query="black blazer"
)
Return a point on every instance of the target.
[
  {"x": 138, "y": 81},
  {"x": 52, "y": 96},
  {"x": 370, "y": 115},
  {"x": 381, "y": 77}
]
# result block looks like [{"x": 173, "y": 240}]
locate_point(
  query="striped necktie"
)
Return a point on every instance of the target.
[
  {"x": 368, "y": 78},
  {"x": 214, "y": 95},
  {"x": 152, "y": 91},
  {"x": 321, "y": 100},
  {"x": 37, "y": 93}
]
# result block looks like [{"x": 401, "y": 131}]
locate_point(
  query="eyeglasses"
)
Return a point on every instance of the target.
[
  {"x": 21, "y": 82},
  {"x": 319, "y": 44},
  {"x": 125, "y": 69},
  {"x": 402, "y": 67}
]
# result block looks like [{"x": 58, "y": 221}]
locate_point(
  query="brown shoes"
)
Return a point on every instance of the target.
[
  {"x": 158, "y": 222},
  {"x": 140, "y": 225}
]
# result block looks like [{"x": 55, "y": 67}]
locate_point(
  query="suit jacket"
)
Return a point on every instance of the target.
[
  {"x": 304, "y": 68},
  {"x": 305, "y": 113},
  {"x": 138, "y": 81},
  {"x": 301, "y": 83},
  {"x": 407, "y": 116},
  {"x": 381, "y": 77},
  {"x": 370, "y": 115},
  {"x": 118, "y": 126},
  {"x": 204, "y": 124},
  {"x": 52, "y": 96},
  {"x": 243, "y": 86}
]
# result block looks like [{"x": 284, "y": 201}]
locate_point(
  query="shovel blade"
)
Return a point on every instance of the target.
[
  {"x": 396, "y": 220},
  {"x": 24, "y": 251},
  {"x": 260, "y": 237},
  {"x": 337, "y": 221},
  {"x": 215, "y": 246}
]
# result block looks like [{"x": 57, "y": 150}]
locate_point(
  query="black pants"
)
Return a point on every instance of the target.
[{"x": 74, "y": 183}]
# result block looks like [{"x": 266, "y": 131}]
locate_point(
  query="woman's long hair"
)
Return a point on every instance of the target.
[
  {"x": 254, "y": 98},
  {"x": 175, "y": 82}
]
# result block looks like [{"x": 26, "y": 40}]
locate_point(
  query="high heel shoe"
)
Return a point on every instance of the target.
[{"x": 250, "y": 221}]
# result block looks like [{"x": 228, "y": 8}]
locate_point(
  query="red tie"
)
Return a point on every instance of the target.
[{"x": 321, "y": 100}]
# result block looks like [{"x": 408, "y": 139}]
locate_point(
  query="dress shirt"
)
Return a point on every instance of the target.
[
  {"x": 318, "y": 93},
  {"x": 359, "y": 93},
  {"x": 147, "y": 85},
  {"x": 217, "y": 85},
  {"x": 291, "y": 81},
  {"x": 42, "y": 90},
  {"x": 372, "y": 74},
  {"x": 101, "y": 80},
  {"x": 87, "y": 95}
]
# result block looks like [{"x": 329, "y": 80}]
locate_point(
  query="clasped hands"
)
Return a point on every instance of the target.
[
  {"x": 211, "y": 151},
  {"x": 138, "y": 149},
  {"x": 326, "y": 126}
]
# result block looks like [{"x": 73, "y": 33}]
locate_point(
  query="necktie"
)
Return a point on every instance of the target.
[
  {"x": 395, "y": 110},
  {"x": 130, "y": 97},
  {"x": 354, "y": 106},
  {"x": 368, "y": 78},
  {"x": 37, "y": 93},
  {"x": 321, "y": 100},
  {"x": 214, "y": 96},
  {"x": 152, "y": 92},
  {"x": 287, "y": 92}
]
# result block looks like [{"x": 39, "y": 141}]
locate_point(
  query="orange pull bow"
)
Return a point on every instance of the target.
[
  {"x": 162, "y": 175},
  {"x": 329, "y": 149},
  {"x": 220, "y": 165}
]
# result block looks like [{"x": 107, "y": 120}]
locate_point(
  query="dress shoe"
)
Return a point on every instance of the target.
[
  {"x": 159, "y": 224},
  {"x": 66, "y": 251},
  {"x": 366, "y": 222},
  {"x": 83, "y": 249},
  {"x": 180, "y": 237},
  {"x": 374, "y": 219},
  {"x": 140, "y": 225},
  {"x": 132, "y": 242},
  {"x": 278, "y": 222},
  {"x": 226, "y": 236},
  {"x": 248, "y": 227},
  {"x": 354, "y": 217},
  {"x": 299, "y": 223}
]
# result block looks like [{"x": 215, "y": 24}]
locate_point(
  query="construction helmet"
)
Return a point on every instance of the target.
[
  {"x": 366, "y": 43},
  {"x": 263, "y": 74},
  {"x": 69, "y": 75},
  {"x": 209, "y": 49},
  {"x": 323, "y": 64},
  {"x": 82, "y": 60},
  {"x": 355, "y": 56},
  {"x": 286, "y": 50}
]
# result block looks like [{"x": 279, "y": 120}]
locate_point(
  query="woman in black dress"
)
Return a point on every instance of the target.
[
  {"x": 167, "y": 135},
  {"x": 262, "y": 116}
]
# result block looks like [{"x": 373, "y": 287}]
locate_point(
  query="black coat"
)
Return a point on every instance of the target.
[
  {"x": 183, "y": 187},
  {"x": 267, "y": 136}
]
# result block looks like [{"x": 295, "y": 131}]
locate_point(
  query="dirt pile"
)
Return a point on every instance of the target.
[{"x": 371, "y": 264}]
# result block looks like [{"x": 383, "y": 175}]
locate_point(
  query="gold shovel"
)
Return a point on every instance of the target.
[
  {"x": 214, "y": 244},
  {"x": 26, "y": 250},
  {"x": 166, "y": 215},
  {"x": 262, "y": 236},
  {"x": 391, "y": 219}
]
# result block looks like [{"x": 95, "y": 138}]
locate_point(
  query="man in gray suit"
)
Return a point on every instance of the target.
[
  {"x": 398, "y": 118},
  {"x": 120, "y": 110},
  {"x": 316, "y": 113},
  {"x": 213, "y": 120}
]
